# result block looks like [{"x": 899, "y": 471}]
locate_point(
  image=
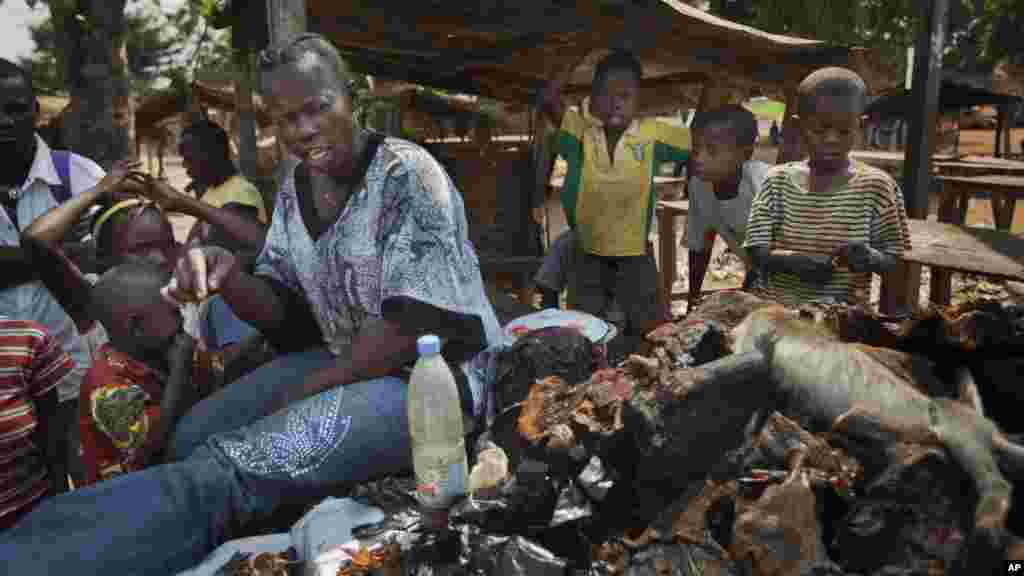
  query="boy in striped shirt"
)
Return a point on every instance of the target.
[
  {"x": 819, "y": 228},
  {"x": 32, "y": 363}
]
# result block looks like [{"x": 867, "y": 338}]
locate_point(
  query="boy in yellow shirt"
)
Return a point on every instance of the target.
[{"x": 608, "y": 194}]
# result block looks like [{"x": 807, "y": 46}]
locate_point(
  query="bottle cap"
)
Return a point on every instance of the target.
[{"x": 428, "y": 345}]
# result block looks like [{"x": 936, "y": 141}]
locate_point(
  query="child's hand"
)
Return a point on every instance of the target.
[
  {"x": 860, "y": 257},
  {"x": 181, "y": 350},
  {"x": 811, "y": 267}
]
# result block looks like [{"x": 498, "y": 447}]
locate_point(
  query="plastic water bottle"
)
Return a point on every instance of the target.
[{"x": 436, "y": 431}]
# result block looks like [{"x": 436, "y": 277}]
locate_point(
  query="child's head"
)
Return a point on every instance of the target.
[
  {"x": 127, "y": 301},
  {"x": 723, "y": 140},
  {"x": 134, "y": 231},
  {"x": 613, "y": 95},
  {"x": 831, "y": 104}
]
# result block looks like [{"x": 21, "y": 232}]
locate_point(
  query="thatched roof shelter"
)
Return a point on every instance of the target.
[
  {"x": 507, "y": 51},
  {"x": 154, "y": 109},
  {"x": 50, "y": 107}
]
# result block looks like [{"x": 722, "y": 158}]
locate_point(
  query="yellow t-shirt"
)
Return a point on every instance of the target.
[
  {"x": 237, "y": 190},
  {"x": 611, "y": 204}
]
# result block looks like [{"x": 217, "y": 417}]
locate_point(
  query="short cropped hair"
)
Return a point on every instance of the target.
[
  {"x": 832, "y": 82},
  {"x": 619, "y": 60},
  {"x": 9, "y": 69},
  {"x": 130, "y": 283},
  {"x": 213, "y": 142},
  {"x": 739, "y": 119},
  {"x": 293, "y": 50}
]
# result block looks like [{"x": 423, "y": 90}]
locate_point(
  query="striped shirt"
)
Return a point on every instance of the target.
[
  {"x": 32, "y": 363},
  {"x": 866, "y": 206}
]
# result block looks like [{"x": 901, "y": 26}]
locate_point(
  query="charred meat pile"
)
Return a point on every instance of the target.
[{"x": 856, "y": 443}]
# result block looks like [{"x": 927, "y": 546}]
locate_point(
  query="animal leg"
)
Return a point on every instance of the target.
[
  {"x": 971, "y": 442},
  {"x": 967, "y": 390},
  {"x": 863, "y": 422}
]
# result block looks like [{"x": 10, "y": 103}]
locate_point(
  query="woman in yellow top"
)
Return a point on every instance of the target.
[{"x": 231, "y": 213}]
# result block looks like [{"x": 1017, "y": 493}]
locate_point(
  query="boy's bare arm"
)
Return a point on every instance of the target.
[
  {"x": 52, "y": 440},
  {"x": 698, "y": 265},
  {"x": 810, "y": 267},
  {"x": 179, "y": 393}
]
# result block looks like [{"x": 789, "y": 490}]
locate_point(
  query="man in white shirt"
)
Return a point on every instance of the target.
[
  {"x": 722, "y": 186},
  {"x": 29, "y": 186}
]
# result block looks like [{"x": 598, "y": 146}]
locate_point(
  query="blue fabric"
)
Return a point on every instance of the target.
[
  {"x": 166, "y": 519},
  {"x": 62, "y": 164},
  {"x": 220, "y": 326}
]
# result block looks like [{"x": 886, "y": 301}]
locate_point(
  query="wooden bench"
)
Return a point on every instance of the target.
[
  {"x": 948, "y": 248},
  {"x": 667, "y": 211},
  {"x": 957, "y": 190}
]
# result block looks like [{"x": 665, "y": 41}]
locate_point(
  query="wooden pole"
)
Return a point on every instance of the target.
[
  {"x": 286, "y": 18},
  {"x": 244, "y": 86},
  {"x": 790, "y": 150},
  {"x": 901, "y": 287},
  {"x": 1000, "y": 121}
]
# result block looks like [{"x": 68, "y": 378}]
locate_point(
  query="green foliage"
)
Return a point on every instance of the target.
[
  {"x": 160, "y": 46},
  {"x": 980, "y": 33}
]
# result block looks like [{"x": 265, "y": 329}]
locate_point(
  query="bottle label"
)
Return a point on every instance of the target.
[{"x": 438, "y": 487}]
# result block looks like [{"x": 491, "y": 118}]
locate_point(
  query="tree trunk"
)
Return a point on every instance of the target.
[{"x": 100, "y": 124}]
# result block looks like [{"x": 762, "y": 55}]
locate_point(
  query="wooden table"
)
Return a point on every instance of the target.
[
  {"x": 890, "y": 161},
  {"x": 980, "y": 166},
  {"x": 950, "y": 248},
  {"x": 957, "y": 190},
  {"x": 667, "y": 211}
]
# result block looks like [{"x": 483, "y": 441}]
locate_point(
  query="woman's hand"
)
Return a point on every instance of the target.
[
  {"x": 123, "y": 181},
  {"x": 165, "y": 195},
  {"x": 200, "y": 273}
]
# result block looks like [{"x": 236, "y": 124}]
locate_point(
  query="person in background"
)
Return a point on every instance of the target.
[
  {"x": 31, "y": 465},
  {"x": 31, "y": 185},
  {"x": 819, "y": 228},
  {"x": 722, "y": 186},
  {"x": 608, "y": 195},
  {"x": 230, "y": 213}
]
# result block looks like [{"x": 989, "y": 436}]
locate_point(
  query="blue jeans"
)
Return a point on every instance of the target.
[
  {"x": 235, "y": 466},
  {"x": 221, "y": 327}
]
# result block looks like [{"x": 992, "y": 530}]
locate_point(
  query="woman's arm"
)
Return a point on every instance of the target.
[
  {"x": 246, "y": 231},
  {"x": 388, "y": 344},
  {"x": 380, "y": 349}
]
